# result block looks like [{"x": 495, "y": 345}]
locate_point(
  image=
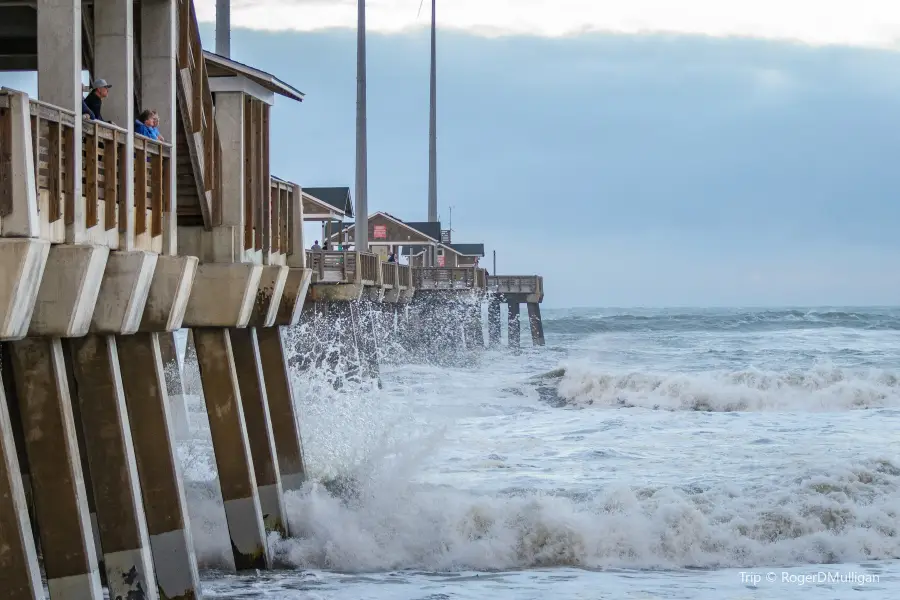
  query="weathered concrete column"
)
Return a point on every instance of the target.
[
  {"x": 494, "y": 321},
  {"x": 285, "y": 425},
  {"x": 59, "y": 82},
  {"x": 255, "y": 404},
  {"x": 110, "y": 451},
  {"x": 82, "y": 452},
  {"x": 537, "y": 325},
  {"x": 114, "y": 62},
  {"x": 158, "y": 468},
  {"x": 20, "y": 576},
  {"x": 158, "y": 67},
  {"x": 513, "y": 333},
  {"x": 364, "y": 331},
  {"x": 67, "y": 545},
  {"x": 232, "y": 448},
  {"x": 174, "y": 382},
  {"x": 19, "y": 216}
]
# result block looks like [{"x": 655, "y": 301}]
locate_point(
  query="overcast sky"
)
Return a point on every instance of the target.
[{"x": 718, "y": 161}]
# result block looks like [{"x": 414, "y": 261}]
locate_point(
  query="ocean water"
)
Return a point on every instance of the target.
[{"x": 678, "y": 454}]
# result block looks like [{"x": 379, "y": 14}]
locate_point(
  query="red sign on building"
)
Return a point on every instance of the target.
[
  {"x": 380, "y": 232},
  {"x": 440, "y": 261}
]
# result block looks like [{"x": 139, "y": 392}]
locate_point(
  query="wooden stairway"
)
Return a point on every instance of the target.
[{"x": 199, "y": 150}]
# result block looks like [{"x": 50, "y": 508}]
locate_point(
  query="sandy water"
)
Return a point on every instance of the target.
[{"x": 683, "y": 454}]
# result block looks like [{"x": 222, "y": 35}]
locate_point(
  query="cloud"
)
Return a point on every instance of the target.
[{"x": 866, "y": 23}]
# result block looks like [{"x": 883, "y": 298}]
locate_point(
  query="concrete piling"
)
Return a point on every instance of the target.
[
  {"x": 514, "y": 332},
  {"x": 285, "y": 425},
  {"x": 174, "y": 381},
  {"x": 20, "y": 576},
  {"x": 231, "y": 445},
  {"x": 113, "y": 468},
  {"x": 69, "y": 556},
  {"x": 494, "y": 321},
  {"x": 255, "y": 404},
  {"x": 165, "y": 506},
  {"x": 537, "y": 325}
]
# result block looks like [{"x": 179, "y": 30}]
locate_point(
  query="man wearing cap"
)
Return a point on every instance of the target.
[{"x": 94, "y": 100}]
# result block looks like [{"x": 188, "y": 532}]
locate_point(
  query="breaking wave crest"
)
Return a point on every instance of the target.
[
  {"x": 381, "y": 524},
  {"x": 819, "y": 389}
]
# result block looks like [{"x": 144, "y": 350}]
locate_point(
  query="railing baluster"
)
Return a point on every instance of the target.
[
  {"x": 140, "y": 187},
  {"x": 55, "y": 171},
  {"x": 156, "y": 193},
  {"x": 91, "y": 179},
  {"x": 111, "y": 182}
]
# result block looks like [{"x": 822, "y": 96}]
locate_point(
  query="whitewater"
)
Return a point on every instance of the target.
[{"x": 709, "y": 454}]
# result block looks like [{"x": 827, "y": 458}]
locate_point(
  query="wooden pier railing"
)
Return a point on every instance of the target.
[
  {"x": 448, "y": 278},
  {"x": 389, "y": 275},
  {"x": 103, "y": 149},
  {"x": 344, "y": 267},
  {"x": 404, "y": 276},
  {"x": 516, "y": 284},
  {"x": 276, "y": 211},
  {"x": 195, "y": 104}
]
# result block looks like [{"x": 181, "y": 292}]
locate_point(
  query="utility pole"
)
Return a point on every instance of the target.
[
  {"x": 494, "y": 272},
  {"x": 361, "y": 233}
]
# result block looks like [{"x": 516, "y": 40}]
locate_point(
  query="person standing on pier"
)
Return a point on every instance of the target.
[
  {"x": 316, "y": 247},
  {"x": 94, "y": 99}
]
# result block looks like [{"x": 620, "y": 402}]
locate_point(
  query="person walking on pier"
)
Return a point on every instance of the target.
[{"x": 94, "y": 99}]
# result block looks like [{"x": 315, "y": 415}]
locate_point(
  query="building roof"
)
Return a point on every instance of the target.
[
  {"x": 337, "y": 197},
  {"x": 219, "y": 66},
  {"x": 431, "y": 229},
  {"x": 415, "y": 227},
  {"x": 468, "y": 249}
]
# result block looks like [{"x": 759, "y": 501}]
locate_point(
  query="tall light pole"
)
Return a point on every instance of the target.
[
  {"x": 223, "y": 28},
  {"x": 361, "y": 231},
  {"x": 432, "y": 125}
]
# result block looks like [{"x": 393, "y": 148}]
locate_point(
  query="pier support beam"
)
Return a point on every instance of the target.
[
  {"x": 232, "y": 449},
  {"x": 174, "y": 382},
  {"x": 513, "y": 333},
  {"x": 20, "y": 576},
  {"x": 114, "y": 62},
  {"x": 285, "y": 425},
  {"x": 255, "y": 404},
  {"x": 494, "y": 322},
  {"x": 117, "y": 493},
  {"x": 143, "y": 379},
  {"x": 537, "y": 325},
  {"x": 67, "y": 545},
  {"x": 59, "y": 26}
]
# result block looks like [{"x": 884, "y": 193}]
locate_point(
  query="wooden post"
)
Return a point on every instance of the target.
[
  {"x": 537, "y": 325},
  {"x": 232, "y": 448},
  {"x": 513, "y": 333},
  {"x": 69, "y": 557}
]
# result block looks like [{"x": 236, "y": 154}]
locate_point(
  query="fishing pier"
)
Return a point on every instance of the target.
[{"x": 111, "y": 241}]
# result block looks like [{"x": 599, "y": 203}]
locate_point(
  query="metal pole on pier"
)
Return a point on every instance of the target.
[
  {"x": 223, "y": 28},
  {"x": 495, "y": 263},
  {"x": 361, "y": 231},
  {"x": 432, "y": 131}
]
